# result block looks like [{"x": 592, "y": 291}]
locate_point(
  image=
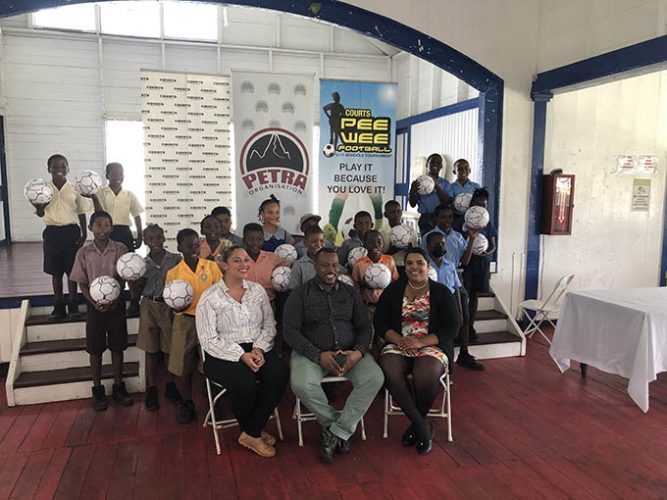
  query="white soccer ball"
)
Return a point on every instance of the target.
[
  {"x": 104, "y": 290},
  {"x": 426, "y": 184},
  {"x": 377, "y": 276},
  {"x": 356, "y": 254},
  {"x": 348, "y": 225},
  {"x": 38, "y": 191},
  {"x": 432, "y": 274},
  {"x": 89, "y": 183},
  {"x": 462, "y": 202},
  {"x": 178, "y": 294},
  {"x": 480, "y": 244},
  {"x": 400, "y": 237},
  {"x": 476, "y": 217},
  {"x": 131, "y": 266},
  {"x": 286, "y": 252},
  {"x": 328, "y": 150},
  {"x": 347, "y": 279},
  {"x": 280, "y": 278}
]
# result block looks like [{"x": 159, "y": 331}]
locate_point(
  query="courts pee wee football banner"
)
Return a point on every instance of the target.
[
  {"x": 357, "y": 152},
  {"x": 273, "y": 128}
]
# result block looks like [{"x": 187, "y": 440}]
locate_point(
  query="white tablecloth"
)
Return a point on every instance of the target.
[{"x": 620, "y": 331}]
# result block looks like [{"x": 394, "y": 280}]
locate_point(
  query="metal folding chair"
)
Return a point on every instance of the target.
[
  {"x": 443, "y": 411},
  {"x": 544, "y": 308}
]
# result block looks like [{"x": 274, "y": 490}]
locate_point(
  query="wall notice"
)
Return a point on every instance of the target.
[{"x": 641, "y": 195}]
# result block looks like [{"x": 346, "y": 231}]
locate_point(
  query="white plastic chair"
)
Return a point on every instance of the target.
[
  {"x": 443, "y": 411},
  {"x": 543, "y": 308},
  {"x": 301, "y": 416}
]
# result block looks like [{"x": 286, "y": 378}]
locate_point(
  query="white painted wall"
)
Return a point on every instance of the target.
[{"x": 610, "y": 246}]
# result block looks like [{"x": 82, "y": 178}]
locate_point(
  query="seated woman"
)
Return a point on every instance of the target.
[
  {"x": 236, "y": 330},
  {"x": 418, "y": 318}
]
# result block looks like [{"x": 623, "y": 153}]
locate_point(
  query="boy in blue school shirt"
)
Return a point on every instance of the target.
[
  {"x": 459, "y": 250},
  {"x": 427, "y": 203}
]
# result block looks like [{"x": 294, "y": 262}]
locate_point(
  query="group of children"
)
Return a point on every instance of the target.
[{"x": 173, "y": 333}]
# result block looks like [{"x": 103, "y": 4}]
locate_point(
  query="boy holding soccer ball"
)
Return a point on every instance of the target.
[
  {"x": 184, "y": 348},
  {"x": 394, "y": 214},
  {"x": 106, "y": 325},
  {"x": 65, "y": 232},
  {"x": 427, "y": 203},
  {"x": 373, "y": 245}
]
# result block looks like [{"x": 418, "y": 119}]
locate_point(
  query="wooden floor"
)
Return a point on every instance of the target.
[
  {"x": 21, "y": 273},
  {"x": 521, "y": 429}
]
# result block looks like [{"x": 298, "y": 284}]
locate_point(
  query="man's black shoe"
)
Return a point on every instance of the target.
[
  {"x": 171, "y": 394},
  {"x": 409, "y": 437},
  {"x": 121, "y": 396},
  {"x": 472, "y": 336},
  {"x": 59, "y": 312},
  {"x": 343, "y": 447},
  {"x": 99, "y": 398},
  {"x": 187, "y": 412},
  {"x": 73, "y": 310},
  {"x": 151, "y": 401},
  {"x": 328, "y": 444},
  {"x": 466, "y": 360}
]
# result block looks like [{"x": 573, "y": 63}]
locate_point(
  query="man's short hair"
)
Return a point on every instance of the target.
[
  {"x": 252, "y": 227},
  {"x": 186, "y": 233},
  {"x": 325, "y": 250},
  {"x": 433, "y": 235},
  {"x": 361, "y": 214},
  {"x": 100, "y": 214},
  {"x": 221, "y": 210},
  {"x": 201, "y": 224}
]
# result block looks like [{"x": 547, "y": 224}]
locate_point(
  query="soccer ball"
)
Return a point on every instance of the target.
[
  {"x": 377, "y": 276},
  {"x": 432, "y": 274},
  {"x": 38, "y": 192},
  {"x": 426, "y": 184},
  {"x": 280, "y": 278},
  {"x": 89, "y": 183},
  {"x": 286, "y": 252},
  {"x": 328, "y": 150},
  {"x": 348, "y": 225},
  {"x": 400, "y": 237},
  {"x": 178, "y": 294},
  {"x": 131, "y": 266},
  {"x": 480, "y": 244},
  {"x": 462, "y": 202},
  {"x": 104, "y": 290},
  {"x": 356, "y": 254},
  {"x": 476, "y": 217},
  {"x": 347, "y": 279}
]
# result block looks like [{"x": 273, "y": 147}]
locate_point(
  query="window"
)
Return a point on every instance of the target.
[
  {"x": 125, "y": 145},
  {"x": 190, "y": 21},
  {"x": 131, "y": 18},
  {"x": 71, "y": 17}
]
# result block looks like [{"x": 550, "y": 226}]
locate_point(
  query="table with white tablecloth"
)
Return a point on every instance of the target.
[{"x": 622, "y": 331}]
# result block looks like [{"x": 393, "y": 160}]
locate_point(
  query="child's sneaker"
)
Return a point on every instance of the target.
[
  {"x": 171, "y": 393},
  {"x": 187, "y": 413},
  {"x": 73, "y": 310},
  {"x": 151, "y": 402},
  {"x": 121, "y": 396},
  {"x": 59, "y": 312},
  {"x": 99, "y": 398}
]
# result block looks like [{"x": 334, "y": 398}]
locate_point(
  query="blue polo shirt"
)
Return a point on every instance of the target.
[
  {"x": 447, "y": 274},
  {"x": 427, "y": 203},
  {"x": 468, "y": 187},
  {"x": 455, "y": 244}
]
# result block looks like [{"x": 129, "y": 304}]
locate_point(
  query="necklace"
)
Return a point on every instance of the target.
[{"x": 417, "y": 287}]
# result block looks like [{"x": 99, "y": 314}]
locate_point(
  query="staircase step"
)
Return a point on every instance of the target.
[
  {"x": 489, "y": 315},
  {"x": 497, "y": 337},
  {"x": 45, "y": 319},
  {"x": 69, "y": 375},
  {"x": 66, "y": 345},
  {"x": 486, "y": 294}
]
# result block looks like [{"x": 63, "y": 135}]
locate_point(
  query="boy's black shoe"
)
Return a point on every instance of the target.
[
  {"x": 73, "y": 310},
  {"x": 472, "y": 336},
  {"x": 467, "y": 360},
  {"x": 343, "y": 447},
  {"x": 151, "y": 401},
  {"x": 171, "y": 394},
  {"x": 99, "y": 398},
  {"x": 121, "y": 396},
  {"x": 187, "y": 413},
  {"x": 329, "y": 442},
  {"x": 59, "y": 312},
  {"x": 133, "y": 310}
]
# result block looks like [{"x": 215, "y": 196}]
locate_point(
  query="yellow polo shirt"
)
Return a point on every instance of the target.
[
  {"x": 66, "y": 206},
  {"x": 208, "y": 273},
  {"x": 121, "y": 206}
]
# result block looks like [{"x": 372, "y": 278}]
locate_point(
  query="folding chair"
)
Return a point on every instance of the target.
[
  {"x": 543, "y": 308},
  {"x": 444, "y": 411},
  {"x": 301, "y": 416},
  {"x": 230, "y": 422}
]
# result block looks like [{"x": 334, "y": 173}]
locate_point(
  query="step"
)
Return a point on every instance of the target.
[
  {"x": 496, "y": 337},
  {"x": 486, "y": 304},
  {"x": 70, "y": 359},
  {"x": 66, "y": 345},
  {"x": 70, "y": 375},
  {"x": 490, "y": 321},
  {"x": 39, "y": 330},
  {"x": 45, "y": 319}
]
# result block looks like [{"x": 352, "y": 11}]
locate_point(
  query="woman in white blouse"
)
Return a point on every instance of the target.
[{"x": 236, "y": 330}]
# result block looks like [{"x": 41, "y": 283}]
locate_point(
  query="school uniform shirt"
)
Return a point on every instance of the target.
[
  {"x": 65, "y": 206},
  {"x": 371, "y": 296},
  {"x": 223, "y": 323},
  {"x": 301, "y": 249},
  {"x": 91, "y": 262},
  {"x": 304, "y": 270},
  {"x": 260, "y": 270},
  {"x": 455, "y": 244},
  {"x": 273, "y": 241},
  {"x": 207, "y": 274},
  {"x": 427, "y": 203},
  {"x": 399, "y": 257},
  {"x": 156, "y": 275},
  {"x": 121, "y": 206},
  {"x": 447, "y": 274},
  {"x": 469, "y": 187}
]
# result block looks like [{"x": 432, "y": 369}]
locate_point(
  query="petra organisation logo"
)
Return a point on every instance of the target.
[{"x": 274, "y": 158}]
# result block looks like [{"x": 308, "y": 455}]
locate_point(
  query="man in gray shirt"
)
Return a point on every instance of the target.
[{"x": 326, "y": 324}]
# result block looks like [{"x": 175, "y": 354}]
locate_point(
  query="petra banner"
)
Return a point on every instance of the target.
[
  {"x": 273, "y": 128},
  {"x": 357, "y": 148}
]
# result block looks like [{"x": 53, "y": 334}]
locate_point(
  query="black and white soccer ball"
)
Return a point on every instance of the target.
[
  {"x": 480, "y": 245},
  {"x": 377, "y": 276},
  {"x": 462, "y": 202},
  {"x": 476, "y": 217},
  {"x": 400, "y": 236},
  {"x": 356, "y": 254},
  {"x": 38, "y": 192},
  {"x": 131, "y": 266},
  {"x": 286, "y": 252},
  {"x": 178, "y": 294},
  {"x": 89, "y": 183},
  {"x": 426, "y": 184},
  {"x": 104, "y": 290},
  {"x": 328, "y": 150},
  {"x": 280, "y": 278}
]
